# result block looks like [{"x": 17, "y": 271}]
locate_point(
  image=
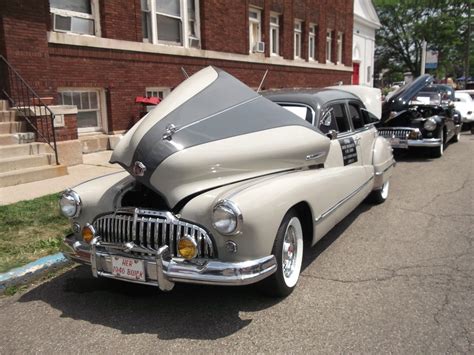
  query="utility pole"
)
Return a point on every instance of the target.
[{"x": 423, "y": 57}]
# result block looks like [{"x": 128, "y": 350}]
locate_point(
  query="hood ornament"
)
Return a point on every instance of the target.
[
  {"x": 169, "y": 131},
  {"x": 138, "y": 168}
]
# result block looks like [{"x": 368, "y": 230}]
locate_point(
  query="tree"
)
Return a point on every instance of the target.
[{"x": 443, "y": 24}]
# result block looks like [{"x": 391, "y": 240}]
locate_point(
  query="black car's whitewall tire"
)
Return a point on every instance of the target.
[
  {"x": 380, "y": 195},
  {"x": 288, "y": 252},
  {"x": 457, "y": 136}
]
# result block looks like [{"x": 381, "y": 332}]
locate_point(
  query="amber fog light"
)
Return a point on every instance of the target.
[
  {"x": 413, "y": 135},
  {"x": 88, "y": 233},
  {"x": 187, "y": 247}
]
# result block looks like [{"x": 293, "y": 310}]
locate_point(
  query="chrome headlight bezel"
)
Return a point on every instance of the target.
[
  {"x": 430, "y": 124},
  {"x": 229, "y": 208},
  {"x": 70, "y": 204}
]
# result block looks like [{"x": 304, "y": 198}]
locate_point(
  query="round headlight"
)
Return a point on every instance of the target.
[
  {"x": 430, "y": 124},
  {"x": 226, "y": 217},
  {"x": 70, "y": 204}
]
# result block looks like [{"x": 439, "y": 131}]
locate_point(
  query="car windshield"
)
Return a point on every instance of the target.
[{"x": 426, "y": 98}]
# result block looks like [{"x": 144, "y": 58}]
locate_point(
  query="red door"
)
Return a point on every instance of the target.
[{"x": 355, "y": 74}]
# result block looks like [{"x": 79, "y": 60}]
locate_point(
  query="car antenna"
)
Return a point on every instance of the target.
[
  {"x": 263, "y": 79},
  {"x": 184, "y": 73}
]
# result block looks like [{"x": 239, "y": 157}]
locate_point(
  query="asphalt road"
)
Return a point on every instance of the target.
[{"x": 397, "y": 277}]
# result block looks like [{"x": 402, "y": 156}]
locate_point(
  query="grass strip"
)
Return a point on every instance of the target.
[{"x": 30, "y": 230}]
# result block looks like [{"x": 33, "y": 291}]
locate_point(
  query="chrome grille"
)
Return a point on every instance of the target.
[
  {"x": 151, "y": 230},
  {"x": 401, "y": 133}
]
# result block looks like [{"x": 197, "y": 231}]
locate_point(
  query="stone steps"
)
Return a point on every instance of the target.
[
  {"x": 26, "y": 175},
  {"x": 4, "y": 105},
  {"x": 13, "y": 127},
  {"x": 25, "y": 162},
  {"x": 17, "y": 138},
  {"x": 8, "y": 151},
  {"x": 9, "y": 116}
]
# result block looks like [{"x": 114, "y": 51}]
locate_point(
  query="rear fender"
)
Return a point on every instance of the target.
[{"x": 383, "y": 162}]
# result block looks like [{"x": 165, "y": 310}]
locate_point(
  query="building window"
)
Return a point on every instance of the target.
[
  {"x": 174, "y": 22},
  {"x": 312, "y": 42},
  {"x": 89, "y": 116},
  {"x": 339, "y": 47},
  {"x": 76, "y": 16},
  {"x": 297, "y": 39},
  {"x": 160, "y": 92},
  {"x": 274, "y": 34},
  {"x": 255, "y": 31},
  {"x": 328, "y": 46}
]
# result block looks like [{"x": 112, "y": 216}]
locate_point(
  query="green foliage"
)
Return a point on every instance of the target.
[
  {"x": 30, "y": 230},
  {"x": 405, "y": 23}
]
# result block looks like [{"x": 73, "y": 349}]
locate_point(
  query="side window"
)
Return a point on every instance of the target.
[
  {"x": 355, "y": 115},
  {"x": 303, "y": 112},
  {"x": 341, "y": 118},
  {"x": 327, "y": 121},
  {"x": 369, "y": 118}
]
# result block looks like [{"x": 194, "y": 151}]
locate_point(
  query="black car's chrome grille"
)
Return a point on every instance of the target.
[
  {"x": 151, "y": 230},
  {"x": 401, "y": 133}
]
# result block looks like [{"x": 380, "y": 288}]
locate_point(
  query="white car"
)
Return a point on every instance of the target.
[
  {"x": 465, "y": 105},
  {"x": 224, "y": 187}
]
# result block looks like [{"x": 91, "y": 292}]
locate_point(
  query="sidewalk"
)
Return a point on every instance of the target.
[{"x": 95, "y": 164}]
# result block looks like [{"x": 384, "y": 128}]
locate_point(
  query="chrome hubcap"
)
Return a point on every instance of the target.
[
  {"x": 292, "y": 252},
  {"x": 289, "y": 251}
]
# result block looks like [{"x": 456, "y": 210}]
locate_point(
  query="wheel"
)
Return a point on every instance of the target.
[
  {"x": 288, "y": 251},
  {"x": 472, "y": 128},
  {"x": 457, "y": 136},
  {"x": 438, "y": 152},
  {"x": 380, "y": 195}
]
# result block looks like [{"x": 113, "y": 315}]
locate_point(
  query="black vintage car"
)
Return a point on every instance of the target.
[{"x": 421, "y": 114}]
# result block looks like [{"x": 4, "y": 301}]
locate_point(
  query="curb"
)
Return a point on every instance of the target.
[{"x": 32, "y": 271}]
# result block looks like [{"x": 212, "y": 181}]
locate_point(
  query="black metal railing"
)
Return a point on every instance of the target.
[{"x": 27, "y": 102}]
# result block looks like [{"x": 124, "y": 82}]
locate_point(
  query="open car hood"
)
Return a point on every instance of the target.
[
  {"x": 399, "y": 101},
  {"x": 214, "y": 130}
]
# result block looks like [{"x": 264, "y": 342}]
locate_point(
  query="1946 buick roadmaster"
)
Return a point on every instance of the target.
[{"x": 223, "y": 186}]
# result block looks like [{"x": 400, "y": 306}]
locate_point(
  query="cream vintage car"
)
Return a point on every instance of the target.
[{"x": 224, "y": 187}]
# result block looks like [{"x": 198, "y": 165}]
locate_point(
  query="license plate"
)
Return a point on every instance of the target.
[
  {"x": 398, "y": 143},
  {"x": 128, "y": 268}
]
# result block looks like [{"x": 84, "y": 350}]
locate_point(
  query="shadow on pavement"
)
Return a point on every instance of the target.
[{"x": 187, "y": 312}]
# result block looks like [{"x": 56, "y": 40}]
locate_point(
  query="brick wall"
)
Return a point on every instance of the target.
[
  {"x": 123, "y": 75},
  {"x": 224, "y": 26},
  {"x": 121, "y": 19}
]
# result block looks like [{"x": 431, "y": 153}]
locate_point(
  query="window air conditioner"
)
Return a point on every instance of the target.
[
  {"x": 193, "y": 42},
  {"x": 259, "y": 47}
]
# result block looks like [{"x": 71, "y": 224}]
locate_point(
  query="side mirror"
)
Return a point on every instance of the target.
[{"x": 332, "y": 134}]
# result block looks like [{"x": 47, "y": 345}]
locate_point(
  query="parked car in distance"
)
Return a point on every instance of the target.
[
  {"x": 421, "y": 114},
  {"x": 464, "y": 102},
  {"x": 225, "y": 187}
]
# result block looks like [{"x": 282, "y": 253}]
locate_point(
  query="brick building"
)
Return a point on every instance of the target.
[{"x": 101, "y": 54}]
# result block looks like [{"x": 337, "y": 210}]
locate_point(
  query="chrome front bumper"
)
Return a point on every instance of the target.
[
  {"x": 163, "y": 271},
  {"x": 406, "y": 143}
]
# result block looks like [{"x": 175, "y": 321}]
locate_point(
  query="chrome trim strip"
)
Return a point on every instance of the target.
[
  {"x": 315, "y": 156},
  {"x": 341, "y": 202},
  {"x": 215, "y": 114},
  {"x": 378, "y": 173}
]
